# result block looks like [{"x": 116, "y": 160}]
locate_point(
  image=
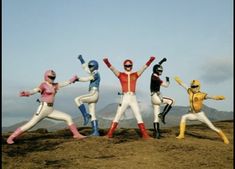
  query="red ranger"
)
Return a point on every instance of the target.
[{"x": 128, "y": 81}]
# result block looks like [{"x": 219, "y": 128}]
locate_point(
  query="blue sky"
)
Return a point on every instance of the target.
[{"x": 196, "y": 37}]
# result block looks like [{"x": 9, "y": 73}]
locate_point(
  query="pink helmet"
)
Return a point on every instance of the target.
[{"x": 49, "y": 76}]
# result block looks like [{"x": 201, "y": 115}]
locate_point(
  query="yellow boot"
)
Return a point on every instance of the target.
[
  {"x": 222, "y": 135},
  {"x": 182, "y": 130}
]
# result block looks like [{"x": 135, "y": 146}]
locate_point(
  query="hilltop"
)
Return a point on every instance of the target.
[{"x": 201, "y": 148}]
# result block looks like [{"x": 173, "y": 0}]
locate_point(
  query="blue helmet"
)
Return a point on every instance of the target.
[{"x": 93, "y": 65}]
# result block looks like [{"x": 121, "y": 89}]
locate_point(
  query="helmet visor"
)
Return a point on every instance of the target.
[
  {"x": 194, "y": 86},
  {"x": 127, "y": 66},
  {"x": 91, "y": 66},
  {"x": 51, "y": 77}
]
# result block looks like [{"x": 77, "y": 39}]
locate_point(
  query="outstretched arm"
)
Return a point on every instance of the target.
[
  {"x": 112, "y": 68},
  {"x": 151, "y": 59},
  {"x": 29, "y": 92},
  {"x": 67, "y": 82},
  {"x": 180, "y": 82},
  {"x": 215, "y": 97},
  {"x": 86, "y": 79}
]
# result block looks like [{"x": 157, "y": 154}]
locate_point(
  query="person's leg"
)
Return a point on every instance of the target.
[
  {"x": 88, "y": 98},
  {"x": 169, "y": 103},
  {"x": 120, "y": 110},
  {"x": 185, "y": 117},
  {"x": 16, "y": 133},
  {"x": 94, "y": 121},
  {"x": 135, "y": 108},
  {"x": 156, "y": 132},
  {"x": 58, "y": 115},
  {"x": 42, "y": 111},
  {"x": 111, "y": 130},
  {"x": 156, "y": 102},
  {"x": 202, "y": 117},
  {"x": 156, "y": 125}
]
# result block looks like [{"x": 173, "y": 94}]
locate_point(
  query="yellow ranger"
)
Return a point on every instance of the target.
[{"x": 196, "y": 98}]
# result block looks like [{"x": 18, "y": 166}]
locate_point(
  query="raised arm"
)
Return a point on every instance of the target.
[
  {"x": 84, "y": 64},
  {"x": 166, "y": 83},
  {"x": 112, "y": 68},
  {"x": 180, "y": 82},
  {"x": 151, "y": 59}
]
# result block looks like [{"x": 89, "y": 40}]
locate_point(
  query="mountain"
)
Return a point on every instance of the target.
[
  {"x": 202, "y": 148},
  {"x": 45, "y": 123},
  {"x": 106, "y": 115}
]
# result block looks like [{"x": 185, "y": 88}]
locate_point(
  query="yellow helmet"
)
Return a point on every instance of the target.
[{"x": 195, "y": 84}]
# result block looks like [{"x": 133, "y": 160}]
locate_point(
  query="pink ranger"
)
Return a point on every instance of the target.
[{"x": 47, "y": 89}]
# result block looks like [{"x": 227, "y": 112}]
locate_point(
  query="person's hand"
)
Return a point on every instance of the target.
[
  {"x": 73, "y": 79},
  {"x": 178, "y": 80},
  {"x": 24, "y": 94},
  {"x": 151, "y": 59},
  {"x": 167, "y": 79},
  {"x": 219, "y": 97},
  {"x": 81, "y": 59},
  {"x": 106, "y": 61}
]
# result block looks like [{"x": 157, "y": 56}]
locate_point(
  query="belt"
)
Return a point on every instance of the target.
[
  {"x": 48, "y": 104},
  {"x": 129, "y": 93},
  {"x": 193, "y": 111},
  {"x": 158, "y": 93},
  {"x": 93, "y": 88}
]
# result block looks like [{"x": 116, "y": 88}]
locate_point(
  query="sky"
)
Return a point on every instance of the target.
[{"x": 196, "y": 37}]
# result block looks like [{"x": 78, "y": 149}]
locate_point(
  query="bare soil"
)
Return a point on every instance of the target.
[{"x": 202, "y": 148}]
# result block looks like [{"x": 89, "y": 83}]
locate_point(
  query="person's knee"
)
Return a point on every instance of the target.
[
  {"x": 78, "y": 101},
  {"x": 69, "y": 120},
  {"x": 212, "y": 127},
  {"x": 172, "y": 102},
  {"x": 183, "y": 119}
]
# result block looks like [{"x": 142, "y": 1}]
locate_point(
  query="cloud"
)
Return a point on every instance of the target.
[{"x": 217, "y": 70}]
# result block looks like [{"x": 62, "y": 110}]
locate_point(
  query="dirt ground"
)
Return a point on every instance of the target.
[{"x": 201, "y": 149}]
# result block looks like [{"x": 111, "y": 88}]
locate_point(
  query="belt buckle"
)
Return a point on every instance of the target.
[
  {"x": 50, "y": 104},
  {"x": 129, "y": 93}
]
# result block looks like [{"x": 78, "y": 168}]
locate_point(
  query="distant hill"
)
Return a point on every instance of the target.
[
  {"x": 45, "y": 123},
  {"x": 106, "y": 115}
]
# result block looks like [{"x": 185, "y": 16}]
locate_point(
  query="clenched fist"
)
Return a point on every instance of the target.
[{"x": 219, "y": 97}]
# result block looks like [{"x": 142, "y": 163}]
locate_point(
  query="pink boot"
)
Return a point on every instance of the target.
[
  {"x": 75, "y": 132},
  {"x": 11, "y": 138}
]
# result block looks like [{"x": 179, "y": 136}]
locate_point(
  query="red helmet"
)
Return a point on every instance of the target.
[
  {"x": 49, "y": 76},
  {"x": 128, "y": 64}
]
